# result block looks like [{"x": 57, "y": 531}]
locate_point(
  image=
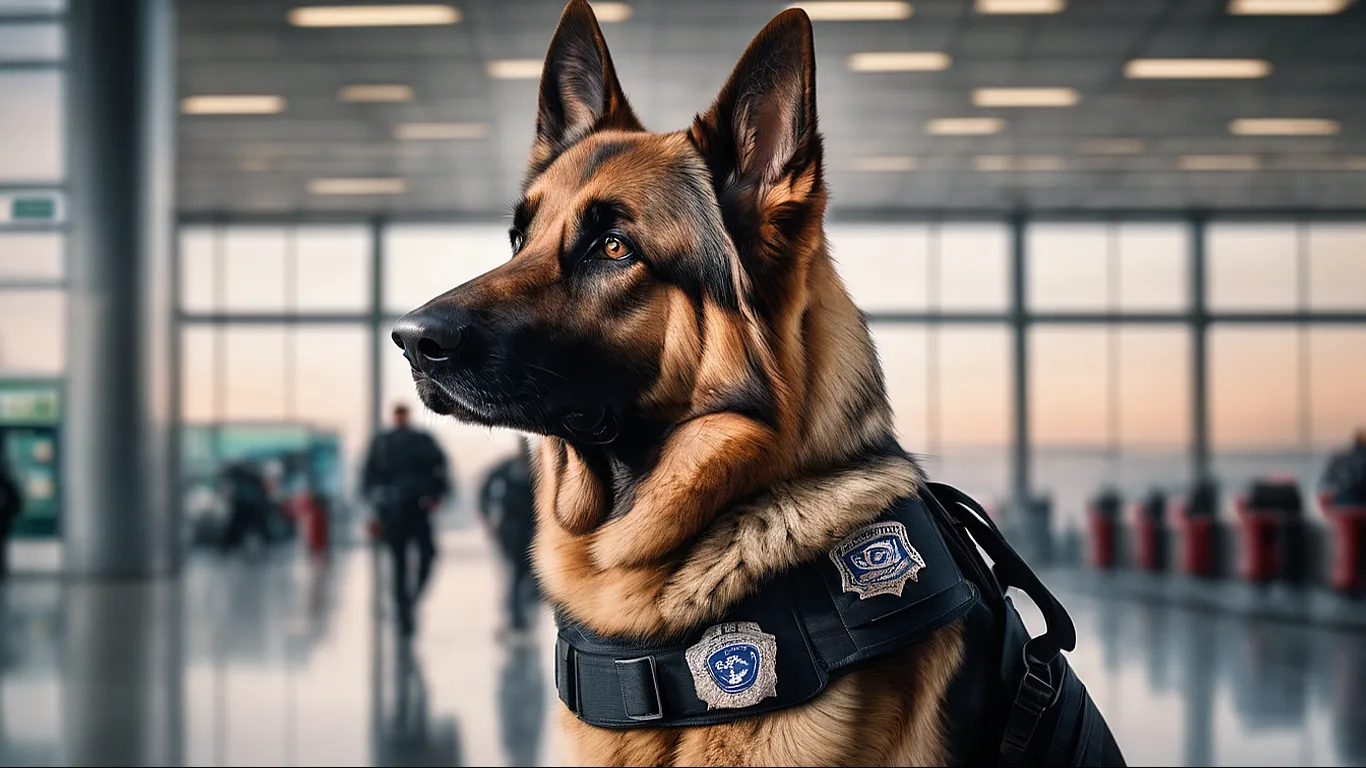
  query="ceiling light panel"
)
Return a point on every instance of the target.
[
  {"x": 1111, "y": 147},
  {"x": 1219, "y": 163},
  {"x": 1024, "y": 97},
  {"x": 376, "y": 92},
  {"x": 357, "y": 186},
  {"x": 1283, "y": 126},
  {"x": 233, "y": 105},
  {"x": 999, "y": 163},
  {"x": 417, "y": 15},
  {"x": 965, "y": 126},
  {"x": 1202, "y": 69},
  {"x": 439, "y": 131},
  {"x": 612, "y": 13},
  {"x": 900, "y": 61},
  {"x": 856, "y": 10},
  {"x": 1286, "y": 7},
  {"x": 515, "y": 69},
  {"x": 1021, "y": 6},
  {"x": 884, "y": 164}
]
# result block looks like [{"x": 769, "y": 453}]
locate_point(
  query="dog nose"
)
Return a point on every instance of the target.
[{"x": 428, "y": 335}]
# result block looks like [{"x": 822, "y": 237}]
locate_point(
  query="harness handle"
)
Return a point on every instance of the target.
[{"x": 1038, "y": 690}]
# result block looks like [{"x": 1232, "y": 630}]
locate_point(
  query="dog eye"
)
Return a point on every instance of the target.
[
  {"x": 615, "y": 248},
  {"x": 516, "y": 238}
]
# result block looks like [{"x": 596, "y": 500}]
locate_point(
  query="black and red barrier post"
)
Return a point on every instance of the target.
[
  {"x": 1102, "y": 517},
  {"x": 1150, "y": 525},
  {"x": 1348, "y": 534},
  {"x": 1271, "y": 531},
  {"x": 1197, "y": 518}
]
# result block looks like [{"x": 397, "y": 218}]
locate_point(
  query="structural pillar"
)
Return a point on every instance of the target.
[
  {"x": 119, "y": 519},
  {"x": 1020, "y": 487},
  {"x": 1200, "y": 448}
]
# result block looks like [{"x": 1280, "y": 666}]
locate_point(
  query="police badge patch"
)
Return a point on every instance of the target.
[
  {"x": 877, "y": 559},
  {"x": 734, "y": 665}
]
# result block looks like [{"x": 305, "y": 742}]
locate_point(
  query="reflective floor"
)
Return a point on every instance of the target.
[{"x": 279, "y": 661}]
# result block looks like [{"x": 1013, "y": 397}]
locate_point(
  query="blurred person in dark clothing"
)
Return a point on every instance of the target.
[
  {"x": 405, "y": 479},
  {"x": 1345, "y": 477},
  {"x": 508, "y": 511},
  {"x": 11, "y": 505},
  {"x": 249, "y": 506}
]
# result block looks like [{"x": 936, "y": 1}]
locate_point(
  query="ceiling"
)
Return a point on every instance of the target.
[{"x": 672, "y": 56}]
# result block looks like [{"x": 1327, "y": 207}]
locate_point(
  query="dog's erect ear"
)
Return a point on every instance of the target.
[
  {"x": 760, "y": 134},
  {"x": 579, "y": 88}
]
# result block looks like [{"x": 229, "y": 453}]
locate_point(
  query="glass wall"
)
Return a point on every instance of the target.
[{"x": 289, "y": 325}]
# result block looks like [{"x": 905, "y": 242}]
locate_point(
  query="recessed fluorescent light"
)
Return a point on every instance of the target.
[
  {"x": 439, "y": 131},
  {"x": 965, "y": 126},
  {"x": 376, "y": 92},
  {"x": 1283, "y": 126},
  {"x": 1219, "y": 163},
  {"x": 609, "y": 13},
  {"x": 1021, "y": 6},
  {"x": 991, "y": 163},
  {"x": 884, "y": 163},
  {"x": 515, "y": 69},
  {"x": 1286, "y": 7},
  {"x": 900, "y": 61},
  {"x": 358, "y": 186},
  {"x": 426, "y": 14},
  {"x": 856, "y": 10},
  {"x": 1024, "y": 97},
  {"x": 1111, "y": 147},
  {"x": 232, "y": 105},
  {"x": 1197, "y": 68}
]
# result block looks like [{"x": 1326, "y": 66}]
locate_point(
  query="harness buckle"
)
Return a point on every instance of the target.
[{"x": 636, "y": 679}]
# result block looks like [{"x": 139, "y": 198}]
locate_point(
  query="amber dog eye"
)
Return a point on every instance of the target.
[{"x": 615, "y": 248}]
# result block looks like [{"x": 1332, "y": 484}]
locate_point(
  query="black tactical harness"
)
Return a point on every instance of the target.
[{"x": 1038, "y": 707}]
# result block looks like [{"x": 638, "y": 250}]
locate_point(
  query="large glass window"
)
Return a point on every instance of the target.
[
  {"x": 422, "y": 262},
  {"x": 31, "y": 137},
  {"x": 1154, "y": 267},
  {"x": 1069, "y": 267},
  {"x": 1337, "y": 266},
  {"x": 904, "y": 353},
  {"x": 970, "y": 267},
  {"x": 970, "y": 437},
  {"x": 1252, "y": 267},
  {"x": 1257, "y": 424},
  {"x": 275, "y": 269},
  {"x": 32, "y": 333},
  {"x": 884, "y": 266},
  {"x": 31, "y": 256}
]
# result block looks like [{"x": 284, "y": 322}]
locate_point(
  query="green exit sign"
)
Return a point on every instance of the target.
[{"x": 33, "y": 209}]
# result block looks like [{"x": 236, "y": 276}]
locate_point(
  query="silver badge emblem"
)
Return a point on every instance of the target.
[
  {"x": 877, "y": 559},
  {"x": 734, "y": 665}
]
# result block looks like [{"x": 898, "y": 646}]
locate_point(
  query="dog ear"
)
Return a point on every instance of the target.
[
  {"x": 579, "y": 88},
  {"x": 759, "y": 138}
]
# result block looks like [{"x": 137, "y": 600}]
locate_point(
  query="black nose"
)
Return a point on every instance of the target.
[{"x": 429, "y": 335}]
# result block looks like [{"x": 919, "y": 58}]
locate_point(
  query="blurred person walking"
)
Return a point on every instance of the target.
[
  {"x": 405, "y": 478},
  {"x": 508, "y": 511},
  {"x": 249, "y": 505},
  {"x": 1345, "y": 476},
  {"x": 11, "y": 505}
]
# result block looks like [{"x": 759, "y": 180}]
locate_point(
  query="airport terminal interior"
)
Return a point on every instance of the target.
[{"x": 1112, "y": 254}]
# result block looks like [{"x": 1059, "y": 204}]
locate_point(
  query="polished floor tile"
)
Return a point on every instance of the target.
[{"x": 281, "y": 661}]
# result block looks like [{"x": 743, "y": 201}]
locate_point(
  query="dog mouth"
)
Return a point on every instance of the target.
[{"x": 584, "y": 424}]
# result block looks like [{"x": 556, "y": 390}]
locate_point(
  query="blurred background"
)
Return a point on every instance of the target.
[{"x": 1113, "y": 254}]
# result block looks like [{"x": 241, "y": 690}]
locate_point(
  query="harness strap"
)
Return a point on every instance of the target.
[{"x": 1038, "y": 689}]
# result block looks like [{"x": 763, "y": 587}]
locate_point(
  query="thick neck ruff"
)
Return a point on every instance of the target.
[{"x": 794, "y": 522}]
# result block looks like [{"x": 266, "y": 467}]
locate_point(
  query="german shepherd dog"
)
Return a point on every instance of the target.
[{"x": 712, "y": 408}]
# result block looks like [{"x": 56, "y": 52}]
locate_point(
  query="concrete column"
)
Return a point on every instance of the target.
[
  {"x": 123, "y": 673},
  {"x": 119, "y": 519}
]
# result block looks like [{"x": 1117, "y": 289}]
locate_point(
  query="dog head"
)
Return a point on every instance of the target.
[{"x": 652, "y": 278}]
